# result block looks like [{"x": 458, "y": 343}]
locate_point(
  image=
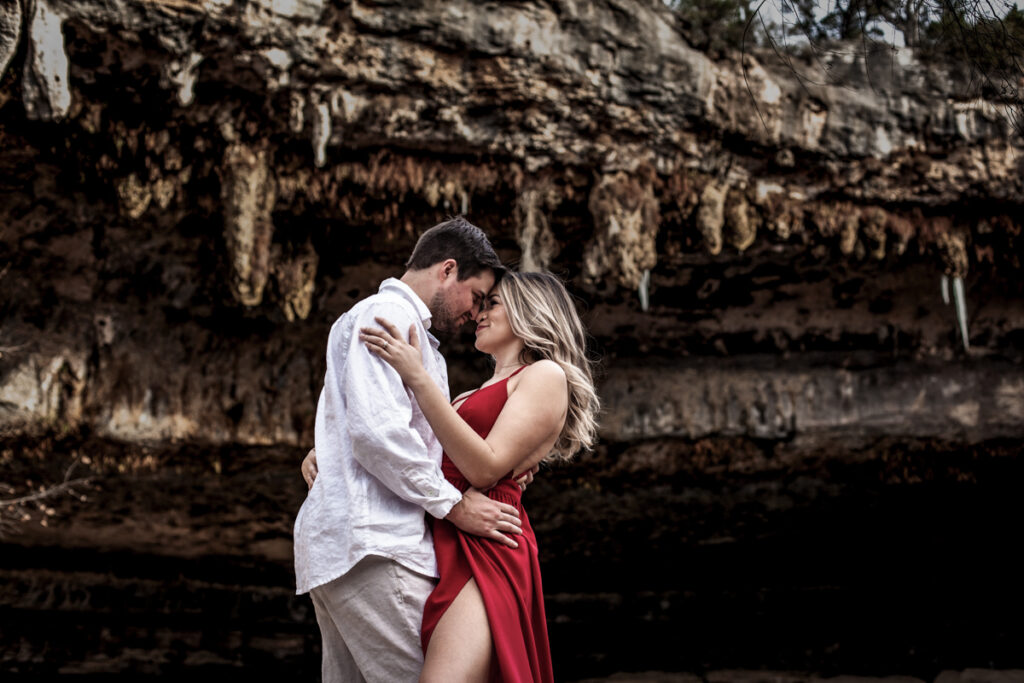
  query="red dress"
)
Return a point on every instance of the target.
[{"x": 508, "y": 578}]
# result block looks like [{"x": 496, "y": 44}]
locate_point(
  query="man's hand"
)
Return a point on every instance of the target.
[
  {"x": 479, "y": 515},
  {"x": 526, "y": 478},
  {"x": 309, "y": 468}
]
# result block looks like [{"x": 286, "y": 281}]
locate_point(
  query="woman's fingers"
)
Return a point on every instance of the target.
[
  {"x": 309, "y": 468},
  {"x": 375, "y": 336},
  {"x": 526, "y": 478},
  {"x": 379, "y": 341},
  {"x": 378, "y": 346},
  {"x": 374, "y": 344},
  {"x": 392, "y": 330}
]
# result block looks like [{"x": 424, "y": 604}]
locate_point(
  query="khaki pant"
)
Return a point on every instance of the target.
[{"x": 370, "y": 623}]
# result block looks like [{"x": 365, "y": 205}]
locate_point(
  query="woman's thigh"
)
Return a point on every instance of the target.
[{"x": 460, "y": 647}]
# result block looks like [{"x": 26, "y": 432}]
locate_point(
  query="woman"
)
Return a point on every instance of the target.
[{"x": 485, "y": 619}]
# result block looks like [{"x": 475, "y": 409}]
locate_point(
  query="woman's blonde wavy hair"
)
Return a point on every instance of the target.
[{"x": 541, "y": 313}]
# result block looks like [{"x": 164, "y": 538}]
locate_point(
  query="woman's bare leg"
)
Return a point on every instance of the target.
[{"x": 460, "y": 647}]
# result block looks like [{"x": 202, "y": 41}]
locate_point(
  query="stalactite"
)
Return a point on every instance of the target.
[
  {"x": 953, "y": 252},
  {"x": 742, "y": 226},
  {"x": 849, "y": 225},
  {"x": 134, "y": 196},
  {"x": 46, "y": 91},
  {"x": 321, "y": 130},
  {"x": 296, "y": 112},
  {"x": 248, "y": 193},
  {"x": 643, "y": 290},
  {"x": 533, "y": 232},
  {"x": 873, "y": 229},
  {"x": 181, "y": 73},
  {"x": 10, "y": 31},
  {"x": 295, "y": 278},
  {"x": 960, "y": 301},
  {"x": 711, "y": 216},
  {"x": 626, "y": 218}
]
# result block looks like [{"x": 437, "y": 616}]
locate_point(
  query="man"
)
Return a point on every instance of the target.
[{"x": 362, "y": 547}]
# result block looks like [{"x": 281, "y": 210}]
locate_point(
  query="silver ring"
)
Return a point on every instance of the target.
[{"x": 385, "y": 344}]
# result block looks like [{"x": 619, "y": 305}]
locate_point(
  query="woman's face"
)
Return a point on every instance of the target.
[{"x": 492, "y": 329}]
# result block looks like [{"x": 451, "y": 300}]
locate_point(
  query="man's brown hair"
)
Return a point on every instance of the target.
[{"x": 458, "y": 239}]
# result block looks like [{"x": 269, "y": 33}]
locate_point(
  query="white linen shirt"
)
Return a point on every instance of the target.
[{"x": 379, "y": 462}]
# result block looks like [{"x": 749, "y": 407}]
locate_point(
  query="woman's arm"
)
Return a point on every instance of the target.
[{"x": 524, "y": 432}]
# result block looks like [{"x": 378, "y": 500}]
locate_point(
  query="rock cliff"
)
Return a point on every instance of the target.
[{"x": 807, "y": 453}]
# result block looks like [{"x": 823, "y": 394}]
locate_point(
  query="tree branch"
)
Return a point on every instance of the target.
[{"x": 46, "y": 493}]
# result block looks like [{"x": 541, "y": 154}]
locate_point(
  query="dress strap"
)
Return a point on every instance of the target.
[
  {"x": 498, "y": 383},
  {"x": 518, "y": 371}
]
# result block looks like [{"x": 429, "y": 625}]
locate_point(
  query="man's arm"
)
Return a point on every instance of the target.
[{"x": 475, "y": 513}]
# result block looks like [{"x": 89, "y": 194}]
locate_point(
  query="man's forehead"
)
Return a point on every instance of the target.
[{"x": 482, "y": 283}]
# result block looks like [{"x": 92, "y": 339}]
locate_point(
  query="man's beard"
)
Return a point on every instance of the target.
[{"x": 443, "y": 318}]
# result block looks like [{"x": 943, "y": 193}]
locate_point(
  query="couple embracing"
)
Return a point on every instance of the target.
[{"x": 407, "y": 486}]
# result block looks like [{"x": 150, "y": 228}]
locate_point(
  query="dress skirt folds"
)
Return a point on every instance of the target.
[{"x": 508, "y": 578}]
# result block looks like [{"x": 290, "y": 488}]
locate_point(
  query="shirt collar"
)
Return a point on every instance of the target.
[{"x": 396, "y": 286}]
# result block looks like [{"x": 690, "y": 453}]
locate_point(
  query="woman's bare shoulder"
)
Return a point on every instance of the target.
[{"x": 545, "y": 372}]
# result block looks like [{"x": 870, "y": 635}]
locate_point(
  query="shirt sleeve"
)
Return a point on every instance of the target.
[{"x": 379, "y": 409}]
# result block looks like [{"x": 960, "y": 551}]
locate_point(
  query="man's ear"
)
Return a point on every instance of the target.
[{"x": 449, "y": 267}]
